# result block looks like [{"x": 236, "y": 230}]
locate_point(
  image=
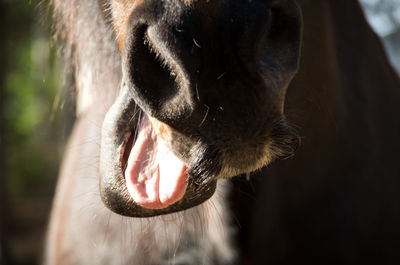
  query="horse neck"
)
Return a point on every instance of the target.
[
  {"x": 92, "y": 60},
  {"x": 345, "y": 84}
]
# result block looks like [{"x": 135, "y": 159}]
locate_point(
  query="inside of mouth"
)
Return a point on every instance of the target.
[{"x": 154, "y": 176}]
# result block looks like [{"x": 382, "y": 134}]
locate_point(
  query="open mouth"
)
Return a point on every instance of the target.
[
  {"x": 140, "y": 175},
  {"x": 154, "y": 176}
]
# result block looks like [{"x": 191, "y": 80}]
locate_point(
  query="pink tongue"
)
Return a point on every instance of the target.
[{"x": 154, "y": 176}]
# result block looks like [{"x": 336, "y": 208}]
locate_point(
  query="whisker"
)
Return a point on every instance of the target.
[{"x": 205, "y": 115}]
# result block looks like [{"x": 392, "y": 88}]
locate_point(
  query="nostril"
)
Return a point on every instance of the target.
[{"x": 152, "y": 82}]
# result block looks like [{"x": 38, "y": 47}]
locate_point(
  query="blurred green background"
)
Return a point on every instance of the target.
[
  {"x": 32, "y": 134},
  {"x": 35, "y": 119}
]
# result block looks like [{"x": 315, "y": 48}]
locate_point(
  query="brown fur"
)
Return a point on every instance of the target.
[{"x": 335, "y": 202}]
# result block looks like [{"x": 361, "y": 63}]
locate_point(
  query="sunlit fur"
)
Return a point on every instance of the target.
[
  {"x": 335, "y": 202},
  {"x": 82, "y": 230}
]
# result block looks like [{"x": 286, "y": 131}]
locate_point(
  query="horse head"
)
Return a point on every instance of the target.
[{"x": 201, "y": 98}]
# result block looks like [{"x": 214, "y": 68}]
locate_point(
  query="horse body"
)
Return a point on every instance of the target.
[{"x": 335, "y": 201}]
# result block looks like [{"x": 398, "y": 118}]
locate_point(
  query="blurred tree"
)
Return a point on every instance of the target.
[
  {"x": 4, "y": 250},
  {"x": 31, "y": 139},
  {"x": 384, "y": 17}
]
